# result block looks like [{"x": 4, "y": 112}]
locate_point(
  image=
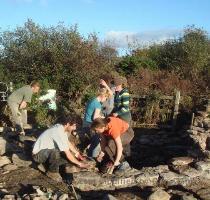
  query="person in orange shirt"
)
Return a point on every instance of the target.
[{"x": 115, "y": 135}]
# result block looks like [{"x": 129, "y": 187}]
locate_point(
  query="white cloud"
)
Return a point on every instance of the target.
[{"x": 121, "y": 39}]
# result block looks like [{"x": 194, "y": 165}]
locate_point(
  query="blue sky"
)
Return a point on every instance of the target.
[{"x": 119, "y": 21}]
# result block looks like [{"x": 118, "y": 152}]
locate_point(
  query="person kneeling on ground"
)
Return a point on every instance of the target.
[
  {"x": 116, "y": 136},
  {"x": 93, "y": 111},
  {"x": 54, "y": 149}
]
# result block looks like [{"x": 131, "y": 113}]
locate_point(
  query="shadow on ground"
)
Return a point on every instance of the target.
[{"x": 153, "y": 147}]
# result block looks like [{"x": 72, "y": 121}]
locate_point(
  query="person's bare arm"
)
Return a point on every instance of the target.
[
  {"x": 97, "y": 114},
  {"x": 72, "y": 159},
  {"x": 118, "y": 143},
  {"x": 102, "y": 82},
  {"x": 76, "y": 153},
  {"x": 73, "y": 148},
  {"x": 23, "y": 105}
]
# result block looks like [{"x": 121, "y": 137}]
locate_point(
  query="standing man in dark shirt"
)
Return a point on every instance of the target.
[{"x": 18, "y": 101}]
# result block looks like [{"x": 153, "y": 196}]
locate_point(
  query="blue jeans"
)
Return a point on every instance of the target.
[{"x": 95, "y": 146}]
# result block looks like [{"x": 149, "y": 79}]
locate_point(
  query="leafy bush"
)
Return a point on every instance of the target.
[
  {"x": 59, "y": 56},
  {"x": 131, "y": 64}
]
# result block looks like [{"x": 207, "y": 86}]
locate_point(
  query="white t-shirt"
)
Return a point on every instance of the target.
[
  {"x": 51, "y": 96},
  {"x": 53, "y": 138}
]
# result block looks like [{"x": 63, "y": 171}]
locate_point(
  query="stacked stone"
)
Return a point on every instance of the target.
[
  {"x": 200, "y": 132},
  {"x": 37, "y": 193}
]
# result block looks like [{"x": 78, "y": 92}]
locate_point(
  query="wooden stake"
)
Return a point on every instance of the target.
[{"x": 176, "y": 110}]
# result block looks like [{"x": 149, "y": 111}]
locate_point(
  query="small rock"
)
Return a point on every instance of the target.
[
  {"x": 199, "y": 129},
  {"x": 5, "y": 191},
  {"x": 179, "y": 168},
  {"x": 159, "y": 195},
  {"x": 202, "y": 114},
  {"x": 188, "y": 197},
  {"x": 200, "y": 124},
  {"x": 192, "y": 132},
  {"x": 2, "y": 185},
  {"x": 207, "y": 154},
  {"x": 181, "y": 161},
  {"x": 109, "y": 197},
  {"x": 10, "y": 167},
  {"x": 147, "y": 179},
  {"x": 206, "y": 124},
  {"x": 41, "y": 198},
  {"x": 26, "y": 197},
  {"x": 20, "y": 160},
  {"x": 9, "y": 197},
  {"x": 202, "y": 165},
  {"x": 4, "y": 160},
  {"x": 192, "y": 172},
  {"x": 172, "y": 179},
  {"x": 63, "y": 197},
  {"x": 39, "y": 192},
  {"x": 204, "y": 193},
  {"x": 3, "y": 143}
]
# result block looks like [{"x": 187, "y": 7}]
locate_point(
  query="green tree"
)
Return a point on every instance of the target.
[
  {"x": 56, "y": 55},
  {"x": 195, "y": 45},
  {"x": 130, "y": 64}
]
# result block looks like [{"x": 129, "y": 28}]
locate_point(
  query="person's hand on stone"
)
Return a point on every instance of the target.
[
  {"x": 83, "y": 165},
  {"x": 80, "y": 157},
  {"x": 100, "y": 156}
]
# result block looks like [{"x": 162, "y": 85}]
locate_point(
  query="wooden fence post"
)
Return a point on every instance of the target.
[
  {"x": 192, "y": 120},
  {"x": 11, "y": 87},
  {"x": 176, "y": 110},
  {"x": 208, "y": 106}
]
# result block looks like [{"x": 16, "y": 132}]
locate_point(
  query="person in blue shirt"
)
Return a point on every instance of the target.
[
  {"x": 94, "y": 106},
  {"x": 94, "y": 110}
]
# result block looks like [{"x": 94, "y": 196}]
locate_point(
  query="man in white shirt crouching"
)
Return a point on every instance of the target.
[{"x": 54, "y": 148}]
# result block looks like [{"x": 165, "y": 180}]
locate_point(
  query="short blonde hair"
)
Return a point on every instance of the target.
[{"x": 103, "y": 92}]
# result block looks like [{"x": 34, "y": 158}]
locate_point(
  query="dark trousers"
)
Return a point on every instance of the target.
[
  {"x": 52, "y": 158},
  {"x": 111, "y": 149}
]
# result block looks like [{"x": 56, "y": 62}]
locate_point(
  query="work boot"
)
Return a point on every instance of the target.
[
  {"x": 105, "y": 167},
  {"x": 54, "y": 176},
  {"x": 122, "y": 169}
]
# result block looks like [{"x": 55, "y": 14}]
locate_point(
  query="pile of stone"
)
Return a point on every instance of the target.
[
  {"x": 13, "y": 155},
  {"x": 36, "y": 193},
  {"x": 200, "y": 133},
  {"x": 184, "y": 172},
  {"x": 191, "y": 173}
]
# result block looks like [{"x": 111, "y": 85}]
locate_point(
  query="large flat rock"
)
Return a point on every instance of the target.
[{"x": 4, "y": 160}]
